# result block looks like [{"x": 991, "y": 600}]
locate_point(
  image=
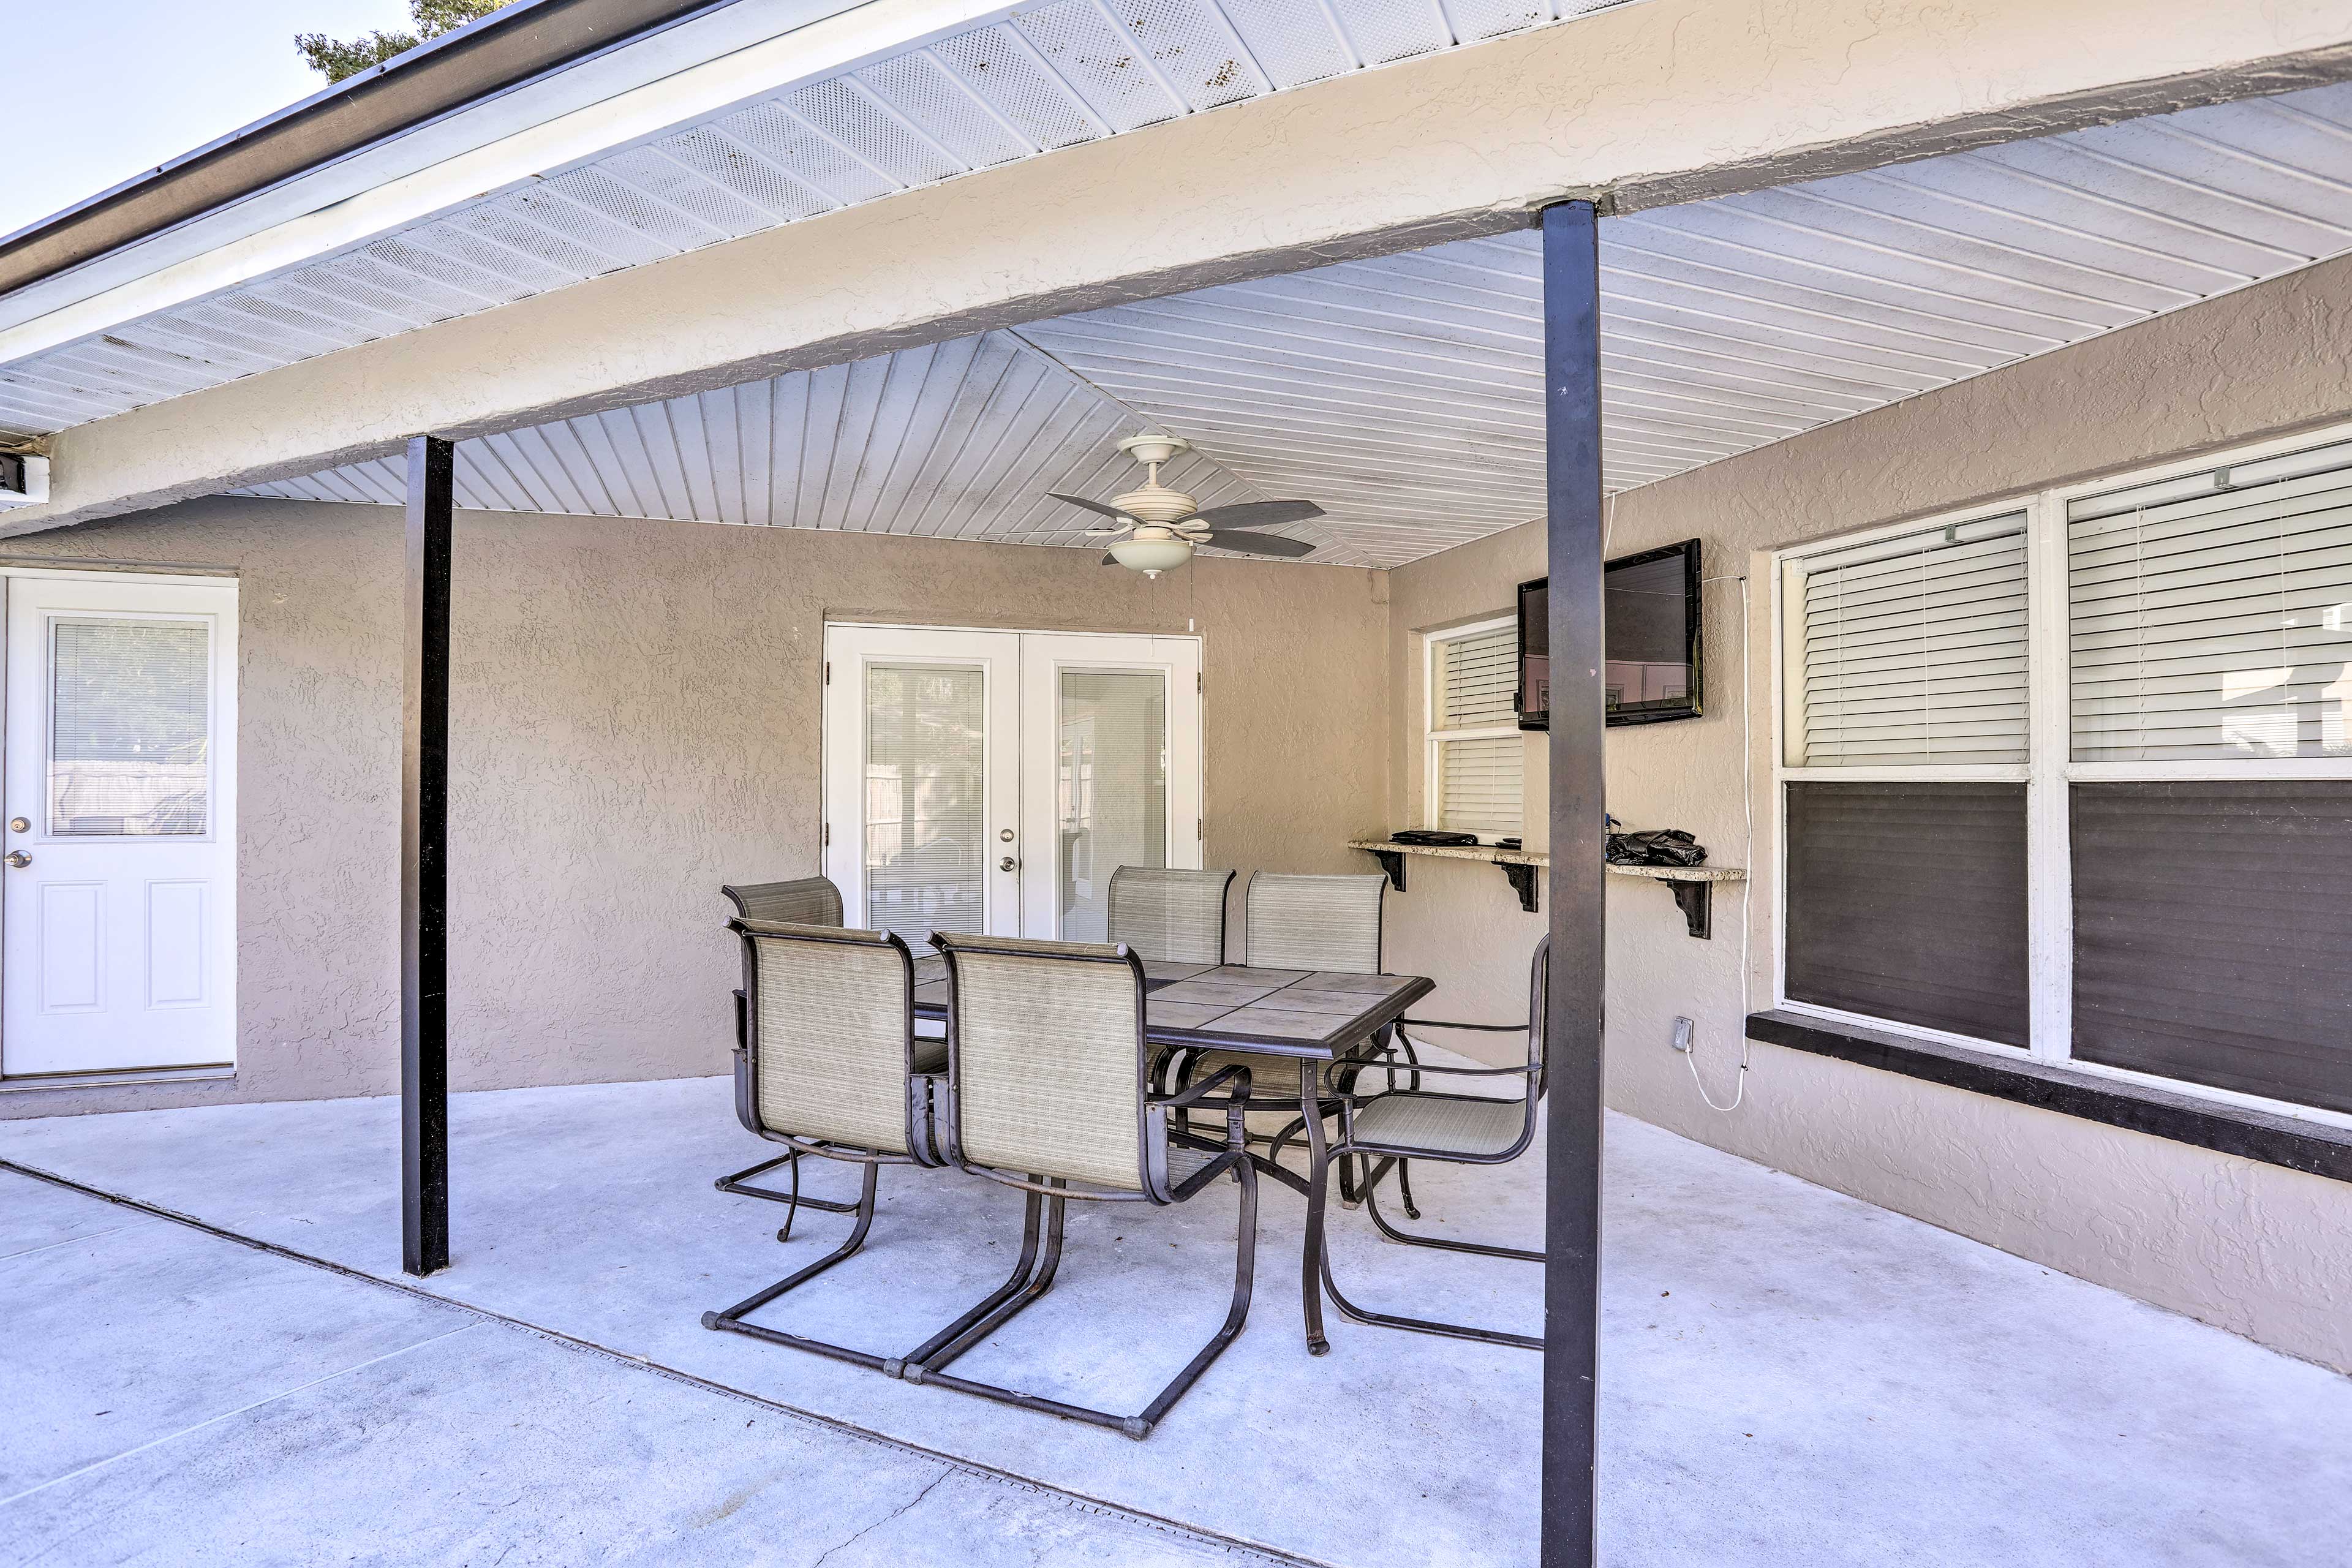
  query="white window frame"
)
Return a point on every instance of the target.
[
  {"x": 1434, "y": 740},
  {"x": 2048, "y": 773}
]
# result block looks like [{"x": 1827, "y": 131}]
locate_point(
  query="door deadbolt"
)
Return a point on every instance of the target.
[
  {"x": 19, "y": 859},
  {"x": 1007, "y": 864},
  {"x": 20, "y": 825},
  {"x": 1004, "y": 835}
]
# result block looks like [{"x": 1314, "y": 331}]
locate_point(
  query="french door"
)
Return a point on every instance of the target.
[
  {"x": 118, "y": 893},
  {"x": 993, "y": 781}
]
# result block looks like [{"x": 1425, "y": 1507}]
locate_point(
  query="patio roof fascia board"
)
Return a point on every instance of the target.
[
  {"x": 493, "y": 55},
  {"x": 1357, "y": 177},
  {"x": 494, "y": 144}
]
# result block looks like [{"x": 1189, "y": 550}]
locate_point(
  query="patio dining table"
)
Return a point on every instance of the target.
[{"x": 1312, "y": 1017}]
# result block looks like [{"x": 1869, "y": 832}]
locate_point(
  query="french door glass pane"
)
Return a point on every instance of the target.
[
  {"x": 926, "y": 797},
  {"x": 129, "y": 728},
  {"x": 1110, "y": 787}
]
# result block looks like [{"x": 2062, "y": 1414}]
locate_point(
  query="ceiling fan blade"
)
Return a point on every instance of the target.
[
  {"x": 1089, "y": 505},
  {"x": 1256, "y": 514},
  {"x": 1259, "y": 543}
]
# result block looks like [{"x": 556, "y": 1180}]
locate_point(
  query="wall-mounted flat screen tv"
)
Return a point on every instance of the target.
[{"x": 1650, "y": 639}]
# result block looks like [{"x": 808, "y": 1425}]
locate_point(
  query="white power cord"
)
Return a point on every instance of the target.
[{"x": 1748, "y": 809}]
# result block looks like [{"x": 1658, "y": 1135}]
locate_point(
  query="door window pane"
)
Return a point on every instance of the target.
[
  {"x": 129, "y": 728},
  {"x": 926, "y": 797},
  {"x": 1111, "y": 789}
]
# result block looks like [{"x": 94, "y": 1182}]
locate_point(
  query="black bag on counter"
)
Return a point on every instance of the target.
[
  {"x": 1658, "y": 846},
  {"x": 1432, "y": 836}
]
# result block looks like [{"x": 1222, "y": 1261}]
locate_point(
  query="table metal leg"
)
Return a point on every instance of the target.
[{"x": 1310, "y": 1274}]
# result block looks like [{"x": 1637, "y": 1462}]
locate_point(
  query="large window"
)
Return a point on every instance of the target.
[
  {"x": 1476, "y": 753},
  {"x": 2072, "y": 778}
]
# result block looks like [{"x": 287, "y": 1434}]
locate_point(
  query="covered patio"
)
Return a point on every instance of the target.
[{"x": 544, "y": 558}]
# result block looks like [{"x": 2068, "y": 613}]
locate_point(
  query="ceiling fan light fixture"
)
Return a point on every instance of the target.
[{"x": 1151, "y": 557}]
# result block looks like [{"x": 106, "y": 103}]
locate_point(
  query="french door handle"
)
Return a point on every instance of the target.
[
  {"x": 1008, "y": 864},
  {"x": 19, "y": 859}
]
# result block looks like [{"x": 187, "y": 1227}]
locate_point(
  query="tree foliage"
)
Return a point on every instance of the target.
[{"x": 336, "y": 58}]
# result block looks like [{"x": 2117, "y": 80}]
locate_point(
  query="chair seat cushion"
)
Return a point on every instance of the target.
[
  {"x": 930, "y": 1054},
  {"x": 1184, "y": 1164},
  {"x": 1271, "y": 1077},
  {"x": 1441, "y": 1124}
]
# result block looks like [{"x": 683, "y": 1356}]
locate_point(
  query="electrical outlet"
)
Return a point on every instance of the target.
[{"x": 1682, "y": 1035}]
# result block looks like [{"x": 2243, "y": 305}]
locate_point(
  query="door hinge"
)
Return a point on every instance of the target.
[
  {"x": 1201, "y": 829},
  {"x": 1200, "y": 683},
  {"x": 827, "y": 839},
  {"x": 828, "y": 672}
]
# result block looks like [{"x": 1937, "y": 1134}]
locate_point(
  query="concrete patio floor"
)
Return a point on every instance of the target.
[{"x": 1792, "y": 1376}]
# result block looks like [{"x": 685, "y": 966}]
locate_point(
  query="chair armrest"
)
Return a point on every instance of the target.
[
  {"x": 1198, "y": 1093},
  {"x": 1521, "y": 1071}
]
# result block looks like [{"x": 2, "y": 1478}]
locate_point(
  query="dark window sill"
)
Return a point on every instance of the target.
[{"x": 2310, "y": 1146}]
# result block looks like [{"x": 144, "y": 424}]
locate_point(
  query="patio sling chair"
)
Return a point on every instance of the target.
[
  {"x": 1168, "y": 915},
  {"x": 1328, "y": 924},
  {"x": 1397, "y": 1124},
  {"x": 1049, "y": 1092},
  {"x": 832, "y": 1068},
  {"x": 808, "y": 900}
]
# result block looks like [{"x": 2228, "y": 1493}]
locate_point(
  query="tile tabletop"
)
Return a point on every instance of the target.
[{"x": 1281, "y": 1011}]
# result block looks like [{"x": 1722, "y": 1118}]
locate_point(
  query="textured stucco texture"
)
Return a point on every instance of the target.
[
  {"x": 635, "y": 721},
  {"x": 2253, "y": 1247}
]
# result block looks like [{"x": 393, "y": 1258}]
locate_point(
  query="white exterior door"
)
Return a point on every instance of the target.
[
  {"x": 118, "y": 892},
  {"x": 1110, "y": 773},
  {"x": 921, "y": 779},
  {"x": 993, "y": 781}
]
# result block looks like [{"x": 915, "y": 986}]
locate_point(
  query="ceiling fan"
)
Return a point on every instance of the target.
[{"x": 1164, "y": 526}]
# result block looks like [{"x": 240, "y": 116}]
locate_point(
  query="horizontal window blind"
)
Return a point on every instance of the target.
[
  {"x": 1475, "y": 677},
  {"x": 2211, "y": 617},
  {"x": 1914, "y": 650},
  {"x": 1479, "y": 783},
  {"x": 2212, "y": 937},
  {"x": 1906, "y": 901}
]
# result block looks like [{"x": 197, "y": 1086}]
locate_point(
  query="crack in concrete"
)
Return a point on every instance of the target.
[{"x": 928, "y": 1488}]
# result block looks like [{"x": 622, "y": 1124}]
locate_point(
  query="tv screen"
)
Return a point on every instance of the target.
[{"x": 1650, "y": 608}]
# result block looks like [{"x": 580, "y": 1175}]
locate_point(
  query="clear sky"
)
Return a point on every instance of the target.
[{"x": 93, "y": 92}]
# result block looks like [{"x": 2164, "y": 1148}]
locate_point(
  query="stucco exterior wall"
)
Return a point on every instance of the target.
[
  {"x": 2262, "y": 1250},
  {"x": 635, "y": 722}
]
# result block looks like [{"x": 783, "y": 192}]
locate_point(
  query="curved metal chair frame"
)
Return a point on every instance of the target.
[
  {"x": 806, "y": 901},
  {"x": 1048, "y": 1193},
  {"x": 919, "y": 1095},
  {"x": 1394, "y": 1155}
]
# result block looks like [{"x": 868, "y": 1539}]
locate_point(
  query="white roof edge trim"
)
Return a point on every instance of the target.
[
  {"x": 599, "y": 77},
  {"x": 830, "y": 43}
]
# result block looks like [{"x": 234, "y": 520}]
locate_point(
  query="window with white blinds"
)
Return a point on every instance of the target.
[
  {"x": 1912, "y": 651},
  {"x": 1476, "y": 755},
  {"x": 2210, "y": 617}
]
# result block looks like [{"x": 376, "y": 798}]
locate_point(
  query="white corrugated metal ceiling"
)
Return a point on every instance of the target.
[{"x": 1404, "y": 393}]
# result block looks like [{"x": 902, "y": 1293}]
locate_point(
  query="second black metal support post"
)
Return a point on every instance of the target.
[
  {"x": 1571, "y": 295},
  {"x": 424, "y": 863}
]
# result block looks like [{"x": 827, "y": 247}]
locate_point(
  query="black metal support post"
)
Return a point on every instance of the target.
[
  {"x": 1571, "y": 276},
  {"x": 423, "y": 864}
]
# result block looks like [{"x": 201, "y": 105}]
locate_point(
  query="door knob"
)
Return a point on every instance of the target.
[
  {"x": 1007, "y": 864},
  {"x": 19, "y": 859}
]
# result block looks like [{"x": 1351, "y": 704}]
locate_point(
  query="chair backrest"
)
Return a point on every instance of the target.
[
  {"x": 1315, "y": 922},
  {"x": 809, "y": 901},
  {"x": 1178, "y": 917},
  {"x": 1046, "y": 1059},
  {"x": 832, "y": 1032}
]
